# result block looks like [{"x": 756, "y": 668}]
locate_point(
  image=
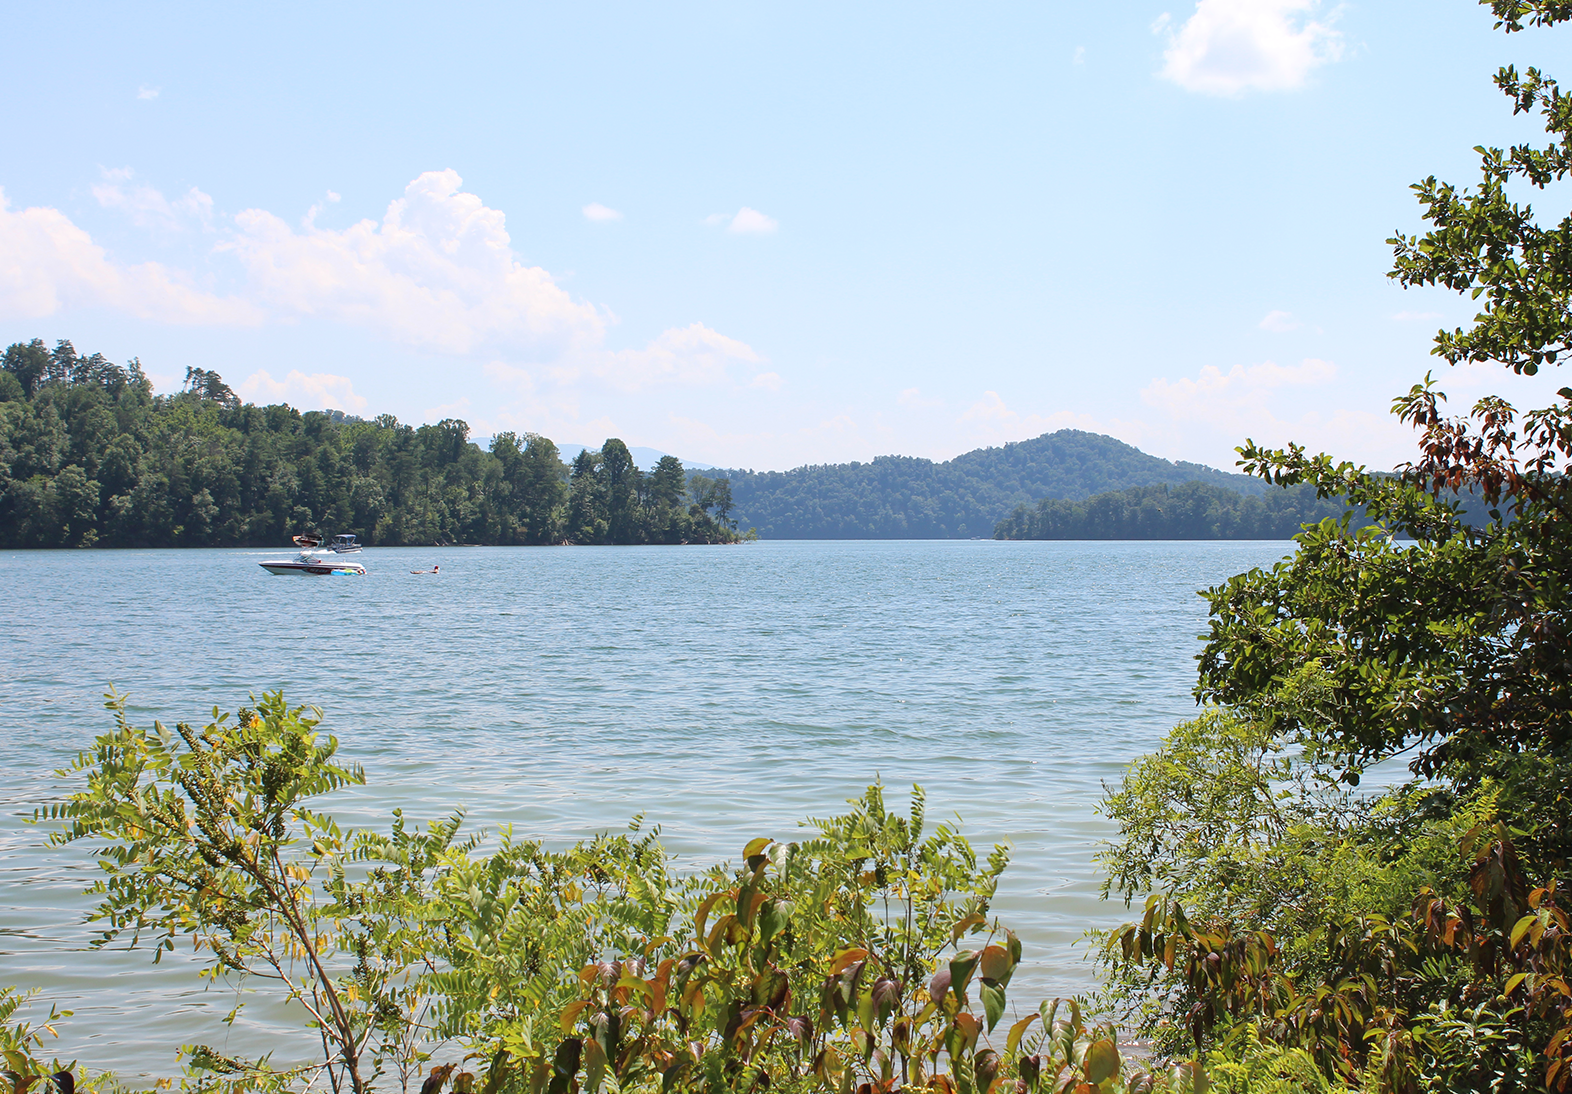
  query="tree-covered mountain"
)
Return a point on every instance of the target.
[
  {"x": 1192, "y": 510},
  {"x": 903, "y": 497},
  {"x": 90, "y": 456}
]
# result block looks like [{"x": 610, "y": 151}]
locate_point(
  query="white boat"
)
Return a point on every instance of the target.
[
  {"x": 310, "y": 564},
  {"x": 343, "y": 545}
]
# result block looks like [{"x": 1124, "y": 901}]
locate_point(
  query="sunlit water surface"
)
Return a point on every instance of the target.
[{"x": 723, "y": 692}]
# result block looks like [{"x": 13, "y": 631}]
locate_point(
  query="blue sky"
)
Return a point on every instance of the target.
[{"x": 760, "y": 235}]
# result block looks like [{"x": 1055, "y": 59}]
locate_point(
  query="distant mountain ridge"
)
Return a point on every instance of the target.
[{"x": 906, "y": 497}]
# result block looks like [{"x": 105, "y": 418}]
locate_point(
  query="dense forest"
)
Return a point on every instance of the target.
[
  {"x": 902, "y": 497},
  {"x": 90, "y": 456},
  {"x": 1193, "y": 510}
]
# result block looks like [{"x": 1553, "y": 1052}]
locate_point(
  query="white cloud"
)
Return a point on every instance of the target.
[
  {"x": 692, "y": 355},
  {"x": 1278, "y": 322},
  {"x": 438, "y": 273},
  {"x": 459, "y": 408},
  {"x": 506, "y": 375},
  {"x": 145, "y": 92},
  {"x": 1216, "y": 395},
  {"x": 769, "y": 381},
  {"x": 596, "y": 211},
  {"x": 48, "y": 263},
  {"x": 744, "y": 221},
  {"x": 1205, "y": 416},
  {"x": 1079, "y": 57},
  {"x": 913, "y": 398},
  {"x": 1230, "y": 46},
  {"x": 318, "y": 391},
  {"x": 751, "y": 220},
  {"x": 1160, "y": 24},
  {"x": 147, "y": 207}
]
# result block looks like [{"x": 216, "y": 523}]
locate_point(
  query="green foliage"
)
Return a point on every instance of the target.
[
  {"x": 1249, "y": 1064},
  {"x": 89, "y": 457},
  {"x": 19, "y": 1040},
  {"x": 1192, "y": 510},
  {"x": 860, "y": 958},
  {"x": 1415, "y": 939},
  {"x": 206, "y": 834},
  {"x": 901, "y": 497}
]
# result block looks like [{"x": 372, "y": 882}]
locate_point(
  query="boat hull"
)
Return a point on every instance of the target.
[{"x": 315, "y": 569}]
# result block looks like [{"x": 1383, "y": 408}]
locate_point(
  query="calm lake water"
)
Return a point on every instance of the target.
[{"x": 724, "y": 692}]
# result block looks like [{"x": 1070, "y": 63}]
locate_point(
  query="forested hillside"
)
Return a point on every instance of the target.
[
  {"x": 90, "y": 456},
  {"x": 902, "y": 497},
  {"x": 1192, "y": 510}
]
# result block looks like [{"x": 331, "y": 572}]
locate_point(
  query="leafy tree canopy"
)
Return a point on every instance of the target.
[
  {"x": 88, "y": 455},
  {"x": 1415, "y": 938}
]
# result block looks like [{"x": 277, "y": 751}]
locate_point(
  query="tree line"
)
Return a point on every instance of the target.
[
  {"x": 90, "y": 456},
  {"x": 1192, "y": 510}
]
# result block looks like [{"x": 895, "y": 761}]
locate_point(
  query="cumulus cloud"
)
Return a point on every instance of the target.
[
  {"x": 1218, "y": 395},
  {"x": 512, "y": 376},
  {"x": 1278, "y": 322},
  {"x": 1204, "y": 416},
  {"x": 438, "y": 273},
  {"x": 318, "y": 391},
  {"x": 596, "y": 211},
  {"x": 48, "y": 263},
  {"x": 147, "y": 207},
  {"x": 751, "y": 220},
  {"x": 692, "y": 355},
  {"x": 1231, "y": 46},
  {"x": 769, "y": 381},
  {"x": 745, "y": 221}
]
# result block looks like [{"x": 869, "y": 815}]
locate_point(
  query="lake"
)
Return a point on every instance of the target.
[{"x": 723, "y": 692}]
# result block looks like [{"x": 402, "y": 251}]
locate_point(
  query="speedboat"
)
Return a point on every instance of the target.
[
  {"x": 312, "y": 565},
  {"x": 343, "y": 545}
]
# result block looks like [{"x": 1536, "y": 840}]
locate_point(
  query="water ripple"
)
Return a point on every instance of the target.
[{"x": 723, "y": 692}]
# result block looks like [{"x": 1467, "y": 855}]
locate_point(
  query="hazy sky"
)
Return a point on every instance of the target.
[{"x": 759, "y": 234}]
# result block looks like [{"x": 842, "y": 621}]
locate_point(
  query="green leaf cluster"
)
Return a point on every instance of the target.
[
  {"x": 1415, "y": 936},
  {"x": 860, "y": 958}
]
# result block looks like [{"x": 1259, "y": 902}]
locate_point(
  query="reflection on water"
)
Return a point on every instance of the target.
[{"x": 724, "y": 692}]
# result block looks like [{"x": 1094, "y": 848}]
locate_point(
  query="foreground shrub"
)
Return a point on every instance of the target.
[{"x": 859, "y": 959}]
